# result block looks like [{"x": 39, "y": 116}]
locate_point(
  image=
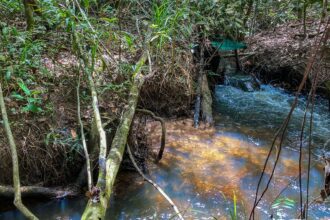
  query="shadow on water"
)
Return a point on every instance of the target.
[{"x": 203, "y": 168}]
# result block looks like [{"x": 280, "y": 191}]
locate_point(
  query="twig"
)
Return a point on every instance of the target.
[
  {"x": 154, "y": 184},
  {"x": 83, "y": 139},
  {"x": 300, "y": 151}
]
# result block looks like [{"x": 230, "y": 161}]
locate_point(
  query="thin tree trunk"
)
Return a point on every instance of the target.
[
  {"x": 299, "y": 10},
  {"x": 248, "y": 12},
  {"x": 97, "y": 116},
  {"x": 324, "y": 10},
  {"x": 96, "y": 209},
  {"x": 206, "y": 102},
  {"x": 238, "y": 64},
  {"x": 199, "y": 85},
  {"x": 28, "y": 10},
  {"x": 83, "y": 139},
  {"x": 16, "y": 180}
]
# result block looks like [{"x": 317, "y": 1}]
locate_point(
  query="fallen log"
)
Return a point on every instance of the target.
[{"x": 39, "y": 192}]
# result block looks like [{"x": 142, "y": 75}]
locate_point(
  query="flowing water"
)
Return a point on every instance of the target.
[{"x": 204, "y": 169}]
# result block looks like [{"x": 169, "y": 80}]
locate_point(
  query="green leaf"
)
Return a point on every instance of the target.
[
  {"x": 2, "y": 58},
  {"x": 31, "y": 108},
  {"x": 17, "y": 96},
  {"x": 22, "y": 85},
  {"x": 109, "y": 20},
  {"x": 86, "y": 4}
]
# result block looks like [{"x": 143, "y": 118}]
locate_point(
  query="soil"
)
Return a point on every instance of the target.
[{"x": 281, "y": 54}]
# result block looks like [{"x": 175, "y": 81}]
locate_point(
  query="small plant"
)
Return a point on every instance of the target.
[
  {"x": 30, "y": 97},
  {"x": 233, "y": 213}
]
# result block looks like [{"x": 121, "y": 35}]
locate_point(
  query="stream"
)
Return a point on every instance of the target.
[{"x": 204, "y": 169}]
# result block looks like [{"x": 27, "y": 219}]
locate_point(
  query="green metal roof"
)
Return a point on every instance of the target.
[{"x": 227, "y": 45}]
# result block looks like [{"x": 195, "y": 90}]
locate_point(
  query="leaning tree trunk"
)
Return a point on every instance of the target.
[
  {"x": 17, "y": 186},
  {"x": 96, "y": 208}
]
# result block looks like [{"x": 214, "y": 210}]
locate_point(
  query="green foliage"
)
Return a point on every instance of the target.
[
  {"x": 20, "y": 57},
  {"x": 20, "y": 53},
  {"x": 10, "y": 6},
  {"x": 31, "y": 99},
  {"x": 166, "y": 20},
  {"x": 219, "y": 17}
]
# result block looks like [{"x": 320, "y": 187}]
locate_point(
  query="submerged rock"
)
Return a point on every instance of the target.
[{"x": 244, "y": 82}]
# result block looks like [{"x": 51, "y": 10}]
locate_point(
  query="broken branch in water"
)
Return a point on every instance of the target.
[
  {"x": 39, "y": 191},
  {"x": 154, "y": 184}
]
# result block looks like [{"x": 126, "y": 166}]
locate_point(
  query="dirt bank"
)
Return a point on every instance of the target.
[{"x": 280, "y": 55}]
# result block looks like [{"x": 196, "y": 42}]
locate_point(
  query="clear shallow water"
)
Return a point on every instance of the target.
[{"x": 202, "y": 169}]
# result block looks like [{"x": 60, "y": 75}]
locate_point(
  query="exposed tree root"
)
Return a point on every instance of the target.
[{"x": 163, "y": 138}]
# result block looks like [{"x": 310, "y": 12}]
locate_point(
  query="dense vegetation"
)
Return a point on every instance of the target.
[{"x": 74, "y": 68}]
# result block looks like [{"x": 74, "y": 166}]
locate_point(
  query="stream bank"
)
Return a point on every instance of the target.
[
  {"x": 280, "y": 55},
  {"x": 203, "y": 168}
]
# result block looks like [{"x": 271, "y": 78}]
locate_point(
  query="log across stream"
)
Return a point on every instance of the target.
[{"x": 202, "y": 169}]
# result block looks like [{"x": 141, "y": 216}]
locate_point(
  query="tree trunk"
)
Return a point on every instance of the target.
[
  {"x": 96, "y": 209},
  {"x": 28, "y": 10},
  {"x": 248, "y": 12},
  {"x": 199, "y": 84},
  {"x": 16, "y": 180},
  {"x": 206, "y": 102},
  {"x": 83, "y": 140},
  {"x": 324, "y": 10}
]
